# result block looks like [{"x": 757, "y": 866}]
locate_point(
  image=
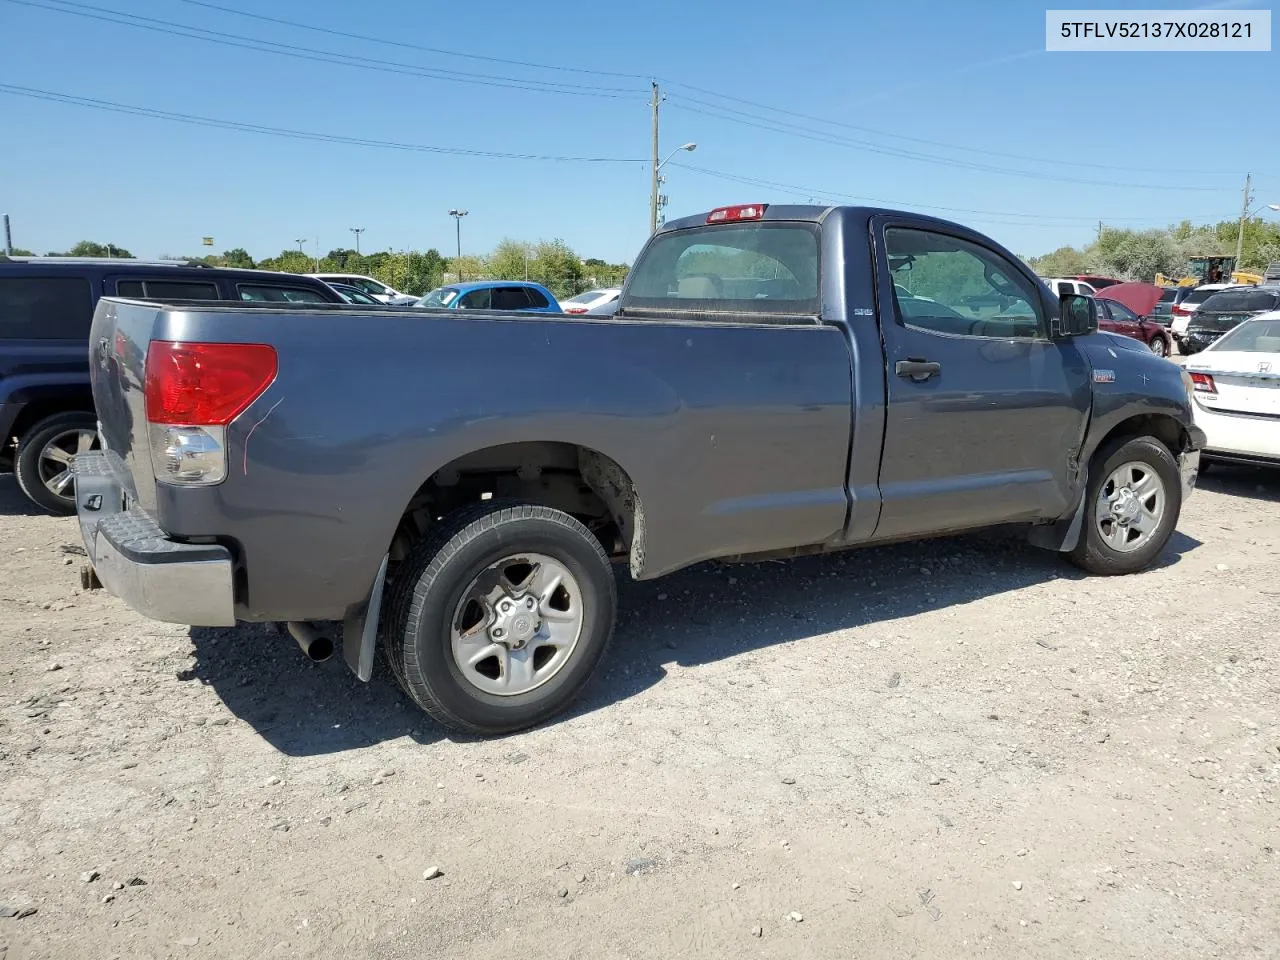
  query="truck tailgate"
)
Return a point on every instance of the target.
[{"x": 118, "y": 343}]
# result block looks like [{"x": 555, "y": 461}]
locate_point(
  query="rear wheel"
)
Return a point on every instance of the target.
[
  {"x": 1158, "y": 346},
  {"x": 43, "y": 465},
  {"x": 500, "y": 617},
  {"x": 1133, "y": 501}
]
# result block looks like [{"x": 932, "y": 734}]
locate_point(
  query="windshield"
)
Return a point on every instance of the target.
[
  {"x": 439, "y": 297},
  {"x": 370, "y": 286},
  {"x": 1253, "y": 336},
  {"x": 584, "y": 297}
]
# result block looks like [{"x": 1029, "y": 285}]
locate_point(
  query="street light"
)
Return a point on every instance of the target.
[
  {"x": 653, "y": 197},
  {"x": 300, "y": 241},
  {"x": 457, "y": 219},
  {"x": 357, "y": 231}
]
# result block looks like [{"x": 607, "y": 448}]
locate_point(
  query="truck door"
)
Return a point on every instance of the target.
[{"x": 985, "y": 413}]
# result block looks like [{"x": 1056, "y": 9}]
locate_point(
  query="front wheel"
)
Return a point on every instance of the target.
[
  {"x": 1133, "y": 500},
  {"x": 500, "y": 617}
]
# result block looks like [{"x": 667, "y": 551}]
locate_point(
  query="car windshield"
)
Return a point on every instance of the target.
[
  {"x": 584, "y": 297},
  {"x": 369, "y": 286},
  {"x": 1252, "y": 336},
  {"x": 439, "y": 297}
]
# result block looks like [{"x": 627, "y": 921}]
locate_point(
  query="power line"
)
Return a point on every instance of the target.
[
  {"x": 313, "y": 54},
  {"x": 298, "y": 25},
  {"x": 813, "y": 192},
  {"x": 906, "y": 137},
  {"x": 866, "y": 146},
  {"x": 197, "y": 120}
]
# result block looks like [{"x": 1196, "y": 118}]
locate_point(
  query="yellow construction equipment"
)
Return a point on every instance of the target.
[{"x": 1213, "y": 269}]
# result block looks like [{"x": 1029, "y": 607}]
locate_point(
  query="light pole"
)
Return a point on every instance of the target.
[
  {"x": 357, "y": 231},
  {"x": 653, "y": 199},
  {"x": 457, "y": 219},
  {"x": 300, "y": 241}
]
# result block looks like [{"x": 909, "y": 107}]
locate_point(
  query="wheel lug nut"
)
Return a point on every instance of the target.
[
  {"x": 529, "y": 603},
  {"x": 497, "y": 631}
]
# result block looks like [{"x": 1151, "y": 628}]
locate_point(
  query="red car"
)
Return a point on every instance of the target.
[{"x": 1115, "y": 317}]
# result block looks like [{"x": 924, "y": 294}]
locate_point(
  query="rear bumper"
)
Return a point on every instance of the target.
[{"x": 156, "y": 576}]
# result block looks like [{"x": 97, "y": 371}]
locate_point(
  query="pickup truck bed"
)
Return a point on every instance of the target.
[{"x": 451, "y": 486}]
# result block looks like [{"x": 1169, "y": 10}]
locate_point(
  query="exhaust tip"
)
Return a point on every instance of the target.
[
  {"x": 320, "y": 650},
  {"x": 314, "y": 644}
]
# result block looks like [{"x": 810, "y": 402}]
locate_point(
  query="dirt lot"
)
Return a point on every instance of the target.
[{"x": 959, "y": 749}]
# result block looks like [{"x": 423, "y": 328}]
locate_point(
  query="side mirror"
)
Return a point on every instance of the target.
[{"x": 1077, "y": 316}]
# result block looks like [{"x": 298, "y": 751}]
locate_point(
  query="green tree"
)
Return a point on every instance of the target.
[
  {"x": 21, "y": 252},
  {"x": 90, "y": 248},
  {"x": 557, "y": 267},
  {"x": 238, "y": 257},
  {"x": 511, "y": 260}
]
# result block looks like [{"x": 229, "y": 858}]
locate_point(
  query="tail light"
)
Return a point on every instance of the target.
[
  {"x": 1202, "y": 382},
  {"x": 744, "y": 211},
  {"x": 193, "y": 390},
  {"x": 575, "y": 309},
  {"x": 1179, "y": 310}
]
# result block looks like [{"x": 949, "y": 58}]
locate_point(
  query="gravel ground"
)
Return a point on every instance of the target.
[{"x": 962, "y": 748}]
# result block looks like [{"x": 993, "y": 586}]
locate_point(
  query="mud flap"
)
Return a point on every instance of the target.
[
  {"x": 1063, "y": 534},
  {"x": 360, "y": 630}
]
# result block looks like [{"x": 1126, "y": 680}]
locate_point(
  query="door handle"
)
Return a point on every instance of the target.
[{"x": 917, "y": 370}]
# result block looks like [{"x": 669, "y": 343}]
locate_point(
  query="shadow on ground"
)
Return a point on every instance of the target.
[
  {"x": 1241, "y": 480},
  {"x": 13, "y": 502},
  {"x": 698, "y": 616}
]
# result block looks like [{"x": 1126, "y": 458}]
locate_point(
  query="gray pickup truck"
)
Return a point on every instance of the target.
[{"x": 452, "y": 487}]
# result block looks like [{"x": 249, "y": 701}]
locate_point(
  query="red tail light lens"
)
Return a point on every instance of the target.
[
  {"x": 744, "y": 211},
  {"x": 1180, "y": 311},
  {"x": 205, "y": 384},
  {"x": 575, "y": 309},
  {"x": 1203, "y": 383}
]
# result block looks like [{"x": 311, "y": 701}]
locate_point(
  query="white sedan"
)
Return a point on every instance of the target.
[
  {"x": 593, "y": 301},
  {"x": 1237, "y": 393}
]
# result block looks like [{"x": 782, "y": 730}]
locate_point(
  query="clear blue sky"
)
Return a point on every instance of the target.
[{"x": 955, "y": 75}]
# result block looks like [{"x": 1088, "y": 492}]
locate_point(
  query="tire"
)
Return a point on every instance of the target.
[
  {"x": 1182, "y": 349},
  {"x": 1159, "y": 346},
  {"x": 448, "y": 603},
  {"x": 1098, "y": 554},
  {"x": 35, "y": 469}
]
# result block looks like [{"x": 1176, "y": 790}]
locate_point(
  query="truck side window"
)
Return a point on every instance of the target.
[{"x": 944, "y": 284}]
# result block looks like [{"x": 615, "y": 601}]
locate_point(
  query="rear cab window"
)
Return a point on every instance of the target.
[
  {"x": 1247, "y": 300},
  {"x": 762, "y": 268},
  {"x": 45, "y": 308}
]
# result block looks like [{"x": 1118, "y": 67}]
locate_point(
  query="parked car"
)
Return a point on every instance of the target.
[
  {"x": 354, "y": 294},
  {"x": 1115, "y": 317},
  {"x": 592, "y": 301},
  {"x": 1162, "y": 312},
  {"x": 46, "y": 305},
  {"x": 519, "y": 295},
  {"x": 1237, "y": 392},
  {"x": 1226, "y": 310},
  {"x": 765, "y": 392},
  {"x": 1097, "y": 282},
  {"x": 1064, "y": 285},
  {"x": 374, "y": 288},
  {"x": 1186, "y": 306}
]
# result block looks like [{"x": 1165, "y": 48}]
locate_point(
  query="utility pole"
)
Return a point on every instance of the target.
[
  {"x": 357, "y": 231},
  {"x": 1244, "y": 213},
  {"x": 653, "y": 191},
  {"x": 457, "y": 219},
  {"x": 8, "y": 238}
]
